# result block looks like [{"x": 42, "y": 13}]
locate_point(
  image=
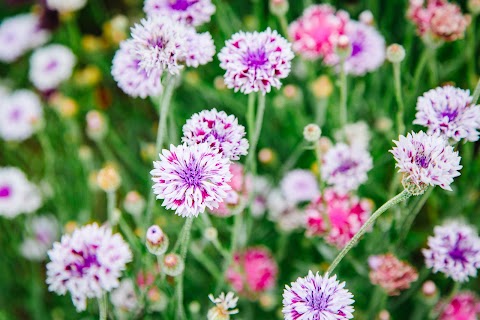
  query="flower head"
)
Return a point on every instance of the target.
[
  {"x": 66, "y": 5},
  {"x": 20, "y": 33},
  {"x": 299, "y": 185},
  {"x": 426, "y": 160},
  {"x": 345, "y": 167},
  {"x": 20, "y": 114},
  {"x": 219, "y": 130},
  {"x": 317, "y": 297},
  {"x": 454, "y": 250},
  {"x": 191, "y": 178},
  {"x": 448, "y": 111},
  {"x": 462, "y": 306},
  {"x": 256, "y": 61},
  {"x": 190, "y": 12},
  {"x": 200, "y": 48},
  {"x": 253, "y": 271},
  {"x": 314, "y": 34},
  {"x": 133, "y": 79},
  {"x": 50, "y": 66},
  {"x": 42, "y": 232},
  {"x": 124, "y": 297},
  {"x": 391, "y": 274},
  {"x": 225, "y": 305},
  {"x": 87, "y": 263},
  {"x": 345, "y": 216}
]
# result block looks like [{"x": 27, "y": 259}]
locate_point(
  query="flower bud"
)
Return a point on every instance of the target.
[
  {"x": 366, "y": 17},
  {"x": 266, "y": 156},
  {"x": 158, "y": 300},
  {"x": 324, "y": 144},
  {"x": 85, "y": 153},
  {"x": 134, "y": 203},
  {"x": 474, "y": 6},
  {"x": 343, "y": 47},
  {"x": 395, "y": 53},
  {"x": 312, "y": 132},
  {"x": 279, "y": 7},
  {"x": 291, "y": 91},
  {"x": 88, "y": 76},
  {"x": 65, "y": 106},
  {"x": 429, "y": 289},
  {"x": 108, "y": 178},
  {"x": 384, "y": 315},
  {"x": 194, "y": 307},
  {"x": 156, "y": 241},
  {"x": 148, "y": 152},
  {"x": 96, "y": 125},
  {"x": 322, "y": 87},
  {"x": 211, "y": 234},
  {"x": 384, "y": 124},
  {"x": 173, "y": 265}
]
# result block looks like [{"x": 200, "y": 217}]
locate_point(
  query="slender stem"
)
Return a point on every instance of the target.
[
  {"x": 162, "y": 124},
  {"x": 410, "y": 218},
  {"x": 432, "y": 64},
  {"x": 320, "y": 111},
  {"x": 293, "y": 158},
  {"x": 283, "y": 24},
  {"x": 103, "y": 307},
  {"x": 402, "y": 196},
  {"x": 420, "y": 68},
  {"x": 254, "y": 128},
  {"x": 398, "y": 95},
  {"x": 183, "y": 254},
  {"x": 111, "y": 200},
  {"x": 343, "y": 95},
  {"x": 476, "y": 93}
]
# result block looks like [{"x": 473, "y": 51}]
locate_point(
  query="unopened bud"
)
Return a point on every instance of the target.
[
  {"x": 312, "y": 132},
  {"x": 194, "y": 307},
  {"x": 474, "y": 6},
  {"x": 291, "y": 91},
  {"x": 266, "y": 155},
  {"x": 65, "y": 106},
  {"x": 395, "y": 53},
  {"x": 108, "y": 178},
  {"x": 383, "y": 315},
  {"x": 384, "y": 124},
  {"x": 173, "y": 265},
  {"x": 134, "y": 203},
  {"x": 96, "y": 125},
  {"x": 158, "y": 300},
  {"x": 324, "y": 144},
  {"x": 88, "y": 76},
  {"x": 211, "y": 234},
  {"x": 343, "y": 47},
  {"x": 148, "y": 152},
  {"x": 429, "y": 289},
  {"x": 322, "y": 87},
  {"x": 85, "y": 153},
  {"x": 267, "y": 301},
  {"x": 156, "y": 241},
  {"x": 279, "y": 7},
  {"x": 366, "y": 17}
]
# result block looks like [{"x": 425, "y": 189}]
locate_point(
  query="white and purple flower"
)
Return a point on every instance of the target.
[
  {"x": 299, "y": 185},
  {"x": 190, "y": 12},
  {"x": 449, "y": 112},
  {"x": 87, "y": 263},
  {"x": 191, "y": 178},
  {"x": 256, "y": 61},
  {"x": 454, "y": 250},
  {"x": 42, "y": 233}
]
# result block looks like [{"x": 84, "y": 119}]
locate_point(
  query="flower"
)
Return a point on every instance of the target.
[
  {"x": 87, "y": 263},
  {"x": 287, "y": 216},
  {"x": 299, "y": 185},
  {"x": 255, "y": 61},
  {"x": 426, "y": 160},
  {"x": 124, "y": 297},
  {"x": 131, "y": 78},
  {"x": 225, "y": 305},
  {"x": 191, "y": 178},
  {"x": 50, "y": 66},
  {"x": 313, "y": 34},
  {"x": 368, "y": 49},
  {"x": 391, "y": 274},
  {"x": 454, "y": 250},
  {"x": 345, "y": 216},
  {"x": 20, "y": 33},
  {"x": 356, "y": 135},
  {"x": 17, "y": 194},
  {"x": 317, "y": 297},
  {"x": 42, "y": 232},
  {"x": 448, "y": 111},
  {"x": 395, "y": 53},
  {"x": 438, "y": 20},
  {"x": 219, "y": 130},
  {"x": 312, "y": 132},
  {"x": 200, "y": 48},
  {"x": 253, "y": 271},
  {"x": 462, "y": 306},
  {"x": 20, "y": 114},
  {"x": 345, "y": 167},
  {"x": 66, "y": 5},
  {"x": 190, "y": 12}
]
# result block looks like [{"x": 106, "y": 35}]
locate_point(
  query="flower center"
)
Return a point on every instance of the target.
[
  {"x": 457, "y": 253},
  {"x": 422, "y": 160},
  {"x": 16, "y": 114},
  {"x": 450, "y": 114},
  {"x": 5, "y": 191},
  {"x": 191, "y": 176},
  {"x": 51, "y": 65},
  {"x": 84, "y": 262},
  {"x": 181, "y": 5},
  {"x": 356, "y": 49},
  {"x": 256, "y": 58},
  {"x": 318, "y": 301},
  {"x": 345, "y": 166}
]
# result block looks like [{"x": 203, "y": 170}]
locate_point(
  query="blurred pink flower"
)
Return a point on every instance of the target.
[
  {"x": 315, "y": 32},
  {"x": 391, "y": 274},
  {"x": 345, "y": 216},
  {"x": 463, "y": 306},
  {"x": 439, "y": 19},
  {"x": 253, "y": 271}
]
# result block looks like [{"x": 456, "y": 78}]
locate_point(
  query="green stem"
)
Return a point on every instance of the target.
[
  {"x": 343, "y": 95},
  {"x": 165, "y": 102},
  {"x": 103, "y": 307},
  {"x": 251, "y": 129},
  {"x": 183, "y": 254},
  {"x": 476, "y": 93},
  {"x": 410, "y": 218},
  {"x": 283, "y": 24},
  {"x": 321, "y": 111},
  {"x": 420, "y": 68},
  {"x": 398, "y": 96},
  {"x": 111, "y": 201},
  {"x": 402, "y": 196}
]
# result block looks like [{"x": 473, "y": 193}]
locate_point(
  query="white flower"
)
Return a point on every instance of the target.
[
  {"x": 66, "y": 5},
  {"x": 225, "y": 306},
  {"x": 299, "y": 185},
  {"x": 124, "y": 297},
  {"x": 42, "y": 232}
]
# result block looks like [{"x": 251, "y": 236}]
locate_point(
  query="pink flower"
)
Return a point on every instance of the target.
[
  {"x": 463, "y": 306},
  {"x": 391, "y": 274},
  {"x": 345, "y": 216},
  {"x": 253, "y": 271},
  {"x": 439, "y": 19},
  {"x": 314, "y": 33}
]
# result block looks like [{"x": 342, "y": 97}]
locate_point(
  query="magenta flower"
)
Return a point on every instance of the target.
[
  {"x": 426, "y": 160},
  {"x": 191, "y": 178},
  {"x": 314, "y": 34},
  {"x": 87, "y": 263},
  {"x": 454, "y": 250},
  {"x": 463, "y": 306},
  {"x": 448, "y": 111},
  {"x": 391, "y": 274},
  {"x": 345, "y": 216},
  {"x": 253, "y": 271},
  {"x": 219, "y": 130},
  {"x": 256, "y": 61},
  {"x": 317, "y": 297},
  {"x": 190, "y": 12}
]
